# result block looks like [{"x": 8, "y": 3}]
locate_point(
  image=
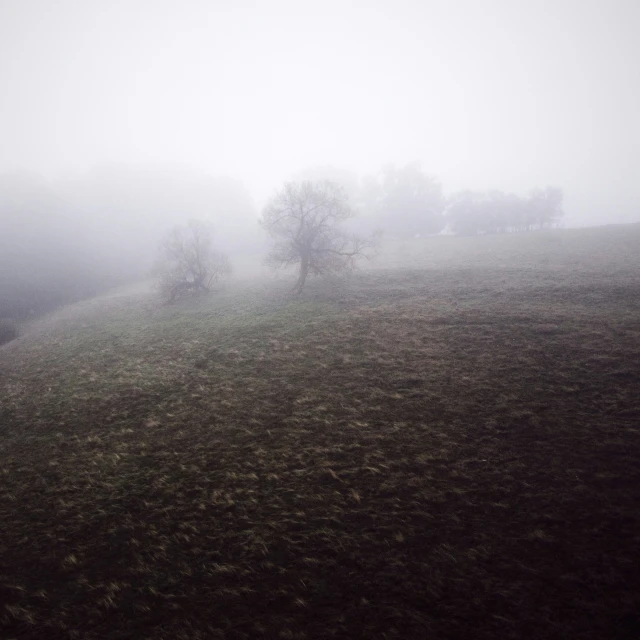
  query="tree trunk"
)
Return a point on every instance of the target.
[{"x": 304, "y": 272}]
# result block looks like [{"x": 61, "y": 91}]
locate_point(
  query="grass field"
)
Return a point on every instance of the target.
[{"x": 445, "y": 446}]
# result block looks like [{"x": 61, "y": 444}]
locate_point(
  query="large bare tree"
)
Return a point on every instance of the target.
[
  {"x": 188, "y": 263},
  {"x": 304, "y": 221}
]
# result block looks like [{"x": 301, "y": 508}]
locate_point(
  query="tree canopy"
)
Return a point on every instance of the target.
[
  {"x": 304, "y": 221},
  {"x": 405, "y": 200},
  {"x": 188, "y": 263}
]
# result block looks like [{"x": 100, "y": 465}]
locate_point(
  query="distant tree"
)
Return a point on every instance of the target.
[
  {"x": 304, "y": 221},
  {"x": 484, "y": 212},
  {"x": 406, "y": 200},
  {"x": 462, "y": 213},
  {"x": 544, "y": 207},
  {"x": 188, "y": 263}
]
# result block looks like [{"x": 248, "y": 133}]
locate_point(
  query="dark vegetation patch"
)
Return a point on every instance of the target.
[{"x": 414, "y": 454}]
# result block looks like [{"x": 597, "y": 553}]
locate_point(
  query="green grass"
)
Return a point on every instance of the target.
[{"x": 444, "y": 449}]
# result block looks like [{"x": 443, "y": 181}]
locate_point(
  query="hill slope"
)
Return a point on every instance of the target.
[{"x": 449, "y": 450}]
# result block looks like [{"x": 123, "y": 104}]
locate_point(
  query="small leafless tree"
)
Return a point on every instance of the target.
[
  {"x": 304, "y": 221},
  {"x": 188, "y": 263}
]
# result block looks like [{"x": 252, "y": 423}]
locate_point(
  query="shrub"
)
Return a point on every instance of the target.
[{"x": 188, "y": 264}]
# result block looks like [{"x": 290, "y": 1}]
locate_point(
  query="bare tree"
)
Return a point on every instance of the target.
[
  {"x": 304, "y": 221},
  {"x": 188, "y": 263}
]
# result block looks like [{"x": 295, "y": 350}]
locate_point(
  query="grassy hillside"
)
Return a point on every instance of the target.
[{"x": 447, "y": 446}]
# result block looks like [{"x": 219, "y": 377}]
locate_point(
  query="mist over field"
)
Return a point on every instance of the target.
[
  {"x": 319, "y": 319},
  {"x": 487, "y": 95},
  {"x": 120, "y": 120}
]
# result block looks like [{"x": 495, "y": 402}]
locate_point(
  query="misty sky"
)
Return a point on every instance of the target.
[{"x": 506, "y": 94}]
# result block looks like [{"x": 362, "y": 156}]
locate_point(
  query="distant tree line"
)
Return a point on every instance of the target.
[
  {"x": 471, "y": 213},
  {"x": 407, "y": 202}
]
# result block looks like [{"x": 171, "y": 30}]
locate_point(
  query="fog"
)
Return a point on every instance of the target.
[
  {"x": 319, "y": 319},
  {"x": 121, "y": 119},
  {"x": 496, "y": 94}
]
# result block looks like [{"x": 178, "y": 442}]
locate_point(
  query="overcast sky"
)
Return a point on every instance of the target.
[{"x": 506, "y": 94}]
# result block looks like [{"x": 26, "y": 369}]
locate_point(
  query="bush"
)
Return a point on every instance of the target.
[
  {"x": 8, "y": 330},
  {"x": 188, "y": 264}
]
